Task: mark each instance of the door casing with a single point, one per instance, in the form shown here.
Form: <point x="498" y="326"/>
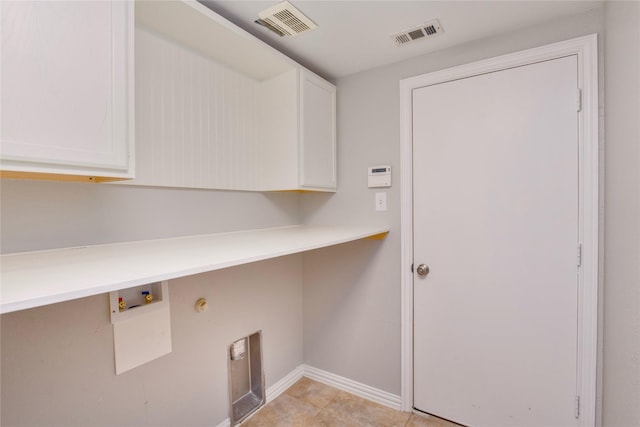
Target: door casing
<point x="586" y="49"/>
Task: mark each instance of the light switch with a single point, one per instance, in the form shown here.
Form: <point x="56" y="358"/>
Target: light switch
<point x="381" y="201"/>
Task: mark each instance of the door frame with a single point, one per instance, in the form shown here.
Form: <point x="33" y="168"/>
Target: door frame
<point x="586" y="49"/>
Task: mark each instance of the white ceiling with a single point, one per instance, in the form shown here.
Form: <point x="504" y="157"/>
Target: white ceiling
<point x="354" y="35"/>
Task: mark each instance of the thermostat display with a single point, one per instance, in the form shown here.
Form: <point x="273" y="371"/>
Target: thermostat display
<point x="379" y="176"/>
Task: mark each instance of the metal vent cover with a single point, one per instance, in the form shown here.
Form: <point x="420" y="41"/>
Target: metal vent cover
<point x="285" y="20"/>
<point x="426" y="30"/>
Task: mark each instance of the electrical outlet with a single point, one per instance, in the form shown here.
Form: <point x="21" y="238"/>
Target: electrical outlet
<point x="381" y="201"/>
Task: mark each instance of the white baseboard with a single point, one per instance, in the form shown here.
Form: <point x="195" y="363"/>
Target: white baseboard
<point x="345" y="384"/>
<point x="290" y="379"/>
<point x="225" y="423"/>
<point x="362" y="390"/>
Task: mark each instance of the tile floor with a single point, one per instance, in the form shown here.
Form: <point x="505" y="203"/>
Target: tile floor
<point x="311" y="404"/>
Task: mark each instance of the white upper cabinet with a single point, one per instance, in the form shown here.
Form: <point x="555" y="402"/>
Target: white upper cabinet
<point x="67" y="89"/>
<point x="234" y="114"/>
<point x="297" y="139"/>
<point x="317" y="156"/>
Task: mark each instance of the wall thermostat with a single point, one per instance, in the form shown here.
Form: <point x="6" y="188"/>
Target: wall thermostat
<point x="379" y="176"/>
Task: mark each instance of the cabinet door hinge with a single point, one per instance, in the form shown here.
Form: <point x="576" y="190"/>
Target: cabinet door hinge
<point x="579" y="100"/>
<point x="577" y="406"/>
<point x="579" y="261"/>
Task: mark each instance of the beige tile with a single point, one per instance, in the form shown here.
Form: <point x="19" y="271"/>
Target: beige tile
<point x="313" y="392"/>
<point x="309" y="403"/>
<point x="425" y="420"/>
<point x="329" y="419"/>
<point x="284" y="411"/>
<point x="353" y="410"/>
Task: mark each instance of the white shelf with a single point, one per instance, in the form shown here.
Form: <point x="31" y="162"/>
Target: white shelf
<point x="33" y="279"/>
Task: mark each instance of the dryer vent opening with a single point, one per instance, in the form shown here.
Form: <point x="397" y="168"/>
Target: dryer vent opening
<point x="246" y="378"/>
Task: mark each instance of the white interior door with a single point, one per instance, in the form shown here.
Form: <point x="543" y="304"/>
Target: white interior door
<point x="495" y="164"/>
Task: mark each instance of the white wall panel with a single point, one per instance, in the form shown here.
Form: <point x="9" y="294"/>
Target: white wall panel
<point x="196" y="119"/>
<point x="277" y="141"/>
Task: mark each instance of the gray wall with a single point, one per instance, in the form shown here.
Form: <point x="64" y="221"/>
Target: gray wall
<point x="621" y="373"/>
<point x="44" y="215"/>
<point x="57" y="361"/>
<point x="58" y="368"/>
<point x="352" y="321"/>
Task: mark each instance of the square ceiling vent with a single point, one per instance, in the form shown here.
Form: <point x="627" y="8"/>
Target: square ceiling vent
<point x="285" y="20"/>
<point x="420" y="32"/>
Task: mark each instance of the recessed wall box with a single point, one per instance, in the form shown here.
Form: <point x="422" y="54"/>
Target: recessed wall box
<point x="379" y="176"/>
<point x="141" y="324"/>
<point x="138" y="300"/>
<point x="246" y="378"/>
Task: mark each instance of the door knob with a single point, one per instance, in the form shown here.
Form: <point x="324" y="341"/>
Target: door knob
<point x="422" y="270"/>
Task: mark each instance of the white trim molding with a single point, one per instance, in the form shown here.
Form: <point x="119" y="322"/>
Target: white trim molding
<point x="281" y="386"/>
<point x="361" y="390"/>
<point x="586" y="50"/>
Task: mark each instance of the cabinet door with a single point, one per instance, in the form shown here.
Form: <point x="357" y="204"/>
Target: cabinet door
<point x="67" y="87"/>
<point x="317" y="133"/>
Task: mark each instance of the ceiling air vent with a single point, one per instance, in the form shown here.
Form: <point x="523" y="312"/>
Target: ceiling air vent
<point x="285" y="20"/>
<point x="426" y="30"/>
